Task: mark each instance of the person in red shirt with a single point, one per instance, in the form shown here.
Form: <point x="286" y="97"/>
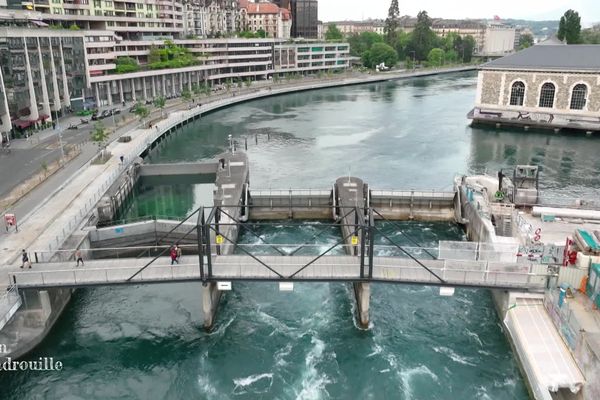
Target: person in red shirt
<point x="173" y="254"/>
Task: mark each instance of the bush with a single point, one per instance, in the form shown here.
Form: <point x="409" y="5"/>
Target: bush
<point x="127" y="64"/>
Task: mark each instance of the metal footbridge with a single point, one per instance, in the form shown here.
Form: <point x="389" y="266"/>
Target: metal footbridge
<point x="460" y="264"/>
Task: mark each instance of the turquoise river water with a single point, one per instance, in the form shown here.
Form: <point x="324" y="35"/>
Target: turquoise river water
<point x="146" y="342"/>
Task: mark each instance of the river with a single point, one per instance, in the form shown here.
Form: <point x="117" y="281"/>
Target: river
<point x="146" y="342"/>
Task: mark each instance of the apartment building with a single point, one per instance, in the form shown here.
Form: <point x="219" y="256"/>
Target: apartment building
<point x="45" y="71"/>
<point x="357" y="27"/>
<point x="268" y="17"/>
<point x="213" y="18"/>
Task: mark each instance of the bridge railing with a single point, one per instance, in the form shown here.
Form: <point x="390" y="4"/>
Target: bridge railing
<point x="10" y="301"/>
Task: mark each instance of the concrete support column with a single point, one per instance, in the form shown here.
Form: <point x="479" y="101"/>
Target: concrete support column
<point x="97" y="92"/>
<point x="55" y="91"/>
<point x="4" y="113"/>
<point x="164" y="85"/>
<point x="121" y="95"/>
<point x="172" y="83"/>
<point x="144" y="88"/>
<point x="133" y="94"/>
<point x="362" y="292"/>
<point x="45" y="99"/>
<point x="181" y="82"/>
<point x="45" y="303"/>
<point x="33" y="111"/>
<point x="66" y="95"/>
<point x="153" y="87"/>
<point x="198" y="77"/>
<point x="109" y="93"/>
<point x="190" y="81"/>
<point x="210" y="301"/>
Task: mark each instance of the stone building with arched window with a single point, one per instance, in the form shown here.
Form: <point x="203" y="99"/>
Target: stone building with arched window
<point x="553" y="86"/>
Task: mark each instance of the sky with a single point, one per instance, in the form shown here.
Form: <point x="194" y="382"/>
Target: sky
<point x="589" y="10"/>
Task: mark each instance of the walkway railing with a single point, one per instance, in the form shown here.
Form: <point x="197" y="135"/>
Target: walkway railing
<point x="10" y="301"/>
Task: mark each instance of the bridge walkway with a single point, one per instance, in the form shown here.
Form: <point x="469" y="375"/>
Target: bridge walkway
<point x="283" y="268"/>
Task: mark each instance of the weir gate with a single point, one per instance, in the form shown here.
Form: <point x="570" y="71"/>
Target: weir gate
<point x="138" y="252"/>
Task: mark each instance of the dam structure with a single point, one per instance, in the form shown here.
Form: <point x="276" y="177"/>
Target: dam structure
<point x="121" y="253"/>
<point x="503" y="255"/>
<point x="210" y="233"/>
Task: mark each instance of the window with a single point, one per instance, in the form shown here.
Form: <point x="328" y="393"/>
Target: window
<point x="547" y="95"/>
<point x="517" y="93"/>
<point x="578" y="97"/>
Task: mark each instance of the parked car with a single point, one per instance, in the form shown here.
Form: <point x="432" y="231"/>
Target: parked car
<point x="115" y="111"/>
<point x="105" y="114"/>
<point x="95" y="116"/>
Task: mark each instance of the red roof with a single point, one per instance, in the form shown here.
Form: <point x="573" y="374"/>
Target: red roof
<point x="262" y="8"/>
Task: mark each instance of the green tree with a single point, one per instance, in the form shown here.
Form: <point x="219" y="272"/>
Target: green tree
<point x="248" y="82"/>
<point x="382" y="53"/>
<point x="160" y="102"/>
<point x="392" y="22"/>
<point x="260" y="33"/>
<point x="590" y="36"/>
<point x="187" y="95"/>
<point x="402" y="42"/>
<point x="126" y="64"/>
<point x="247" y="34"/>
<point x="170" y="56"/>
<point x="423" y="38"/>
<point x="525" y="41"/>
<point x="569" y="28"/>
<point x="363" y="42"/>
<point x="435" y="58"/>
<point x="141" y="111"/>
<point x="468" y="47"/>
<point x="99" y="136"/>
<point x="333" y="33"/>
<point x="74" y="27"/>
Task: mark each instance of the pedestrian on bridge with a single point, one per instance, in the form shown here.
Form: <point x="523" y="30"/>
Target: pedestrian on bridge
<point x="173" y="254"/>
<point x="178" y="249"/>
<point x="25" y="259"/>
<point x="78" y="257"/>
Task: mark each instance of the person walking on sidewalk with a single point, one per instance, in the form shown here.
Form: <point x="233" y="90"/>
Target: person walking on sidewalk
<point x="25" y="259"/>
<point x="178" y="249"/>
<point x="79" y="258"/>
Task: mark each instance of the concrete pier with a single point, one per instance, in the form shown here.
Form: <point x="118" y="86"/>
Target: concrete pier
<point x="350" y="196"/>
<point x="231" y="188"/>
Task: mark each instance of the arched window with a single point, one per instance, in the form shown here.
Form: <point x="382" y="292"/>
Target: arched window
<point x="517" y="93"/>
<point x="578" y="97"/>
<point x="547" y="95"/>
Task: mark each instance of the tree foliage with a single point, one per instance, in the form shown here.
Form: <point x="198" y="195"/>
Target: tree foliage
<point x="141" y="111"/>
<point x="160" y="102"/>
<point x="333" y="33"/>
<point x="392" y="22"/>
<point x="127" y="64"/>
<point x="423" y="38"/>
<point x="590" y="36"/>
<point x="261" y="33"/>
<point x="99" y="134"/>
<point x="380" y="53"/>
<point x="363" y="42"/>
<point x="569" y="28"/>
<point x="525" y="41"/>
<point x="468" y="48"/>
<point x="435" y="58"/>
<point x="170" y="56"/>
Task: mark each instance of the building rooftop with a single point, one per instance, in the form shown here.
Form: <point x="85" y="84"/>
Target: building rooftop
<point x="551" y="57"/>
